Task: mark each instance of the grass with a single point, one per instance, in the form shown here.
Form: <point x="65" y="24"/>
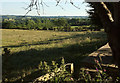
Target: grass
<point x="29" y="47"/>
<point x="73" y="27"/>
<point x="87" y="26"/>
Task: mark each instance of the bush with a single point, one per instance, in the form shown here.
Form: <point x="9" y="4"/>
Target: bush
<point x="60" y="73"/>
<point x="100" y="75"/>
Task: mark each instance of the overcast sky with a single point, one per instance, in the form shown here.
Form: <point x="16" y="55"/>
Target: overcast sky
<point x="16" y="7"/>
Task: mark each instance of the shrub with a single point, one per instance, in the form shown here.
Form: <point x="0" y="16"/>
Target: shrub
<point x="100" y="75"/>
<point x="60" y="73"/>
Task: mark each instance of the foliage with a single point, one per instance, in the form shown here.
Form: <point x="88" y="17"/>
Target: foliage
<point x="100" y="76"/>
<point x="85" y="76"/>
<point x="67" y="27"/>
<point x="79" y="22"/>
<point x="60" y="73"/>
<point x="60" y="24"/>
<point x="94" y="18"/>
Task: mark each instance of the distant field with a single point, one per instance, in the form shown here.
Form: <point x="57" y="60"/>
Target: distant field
<point x="29" y="47"/>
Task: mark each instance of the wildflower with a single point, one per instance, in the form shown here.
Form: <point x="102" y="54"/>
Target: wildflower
<point x="96" y="68"/>
<point x="104" y="70"/>
<point x="96" y="61"/>
<point x="72" y="79"/>
<point x="87" y="72"/>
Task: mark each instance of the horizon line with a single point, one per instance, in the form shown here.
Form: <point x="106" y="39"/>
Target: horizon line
<point x="44" y="15"/>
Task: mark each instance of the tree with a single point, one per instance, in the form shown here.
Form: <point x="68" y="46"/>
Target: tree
<point x="110" y="19"/>
<point x="74" y="21"/>
<point x="94" y="19"/>
<point x="38" y="24"/>
<point x="109" y="14"/>
<point x="8" y="25"/>
<point x="48" y="24"/>
<point x="5" y="24"/>
<point x="67" y="27"/>
<point x="60" y="22"/>
<point x="31" y="24"/>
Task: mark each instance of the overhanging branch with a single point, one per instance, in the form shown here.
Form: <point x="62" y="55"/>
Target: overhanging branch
<point x="105" y="14"/>
<point x="109" y="13"/>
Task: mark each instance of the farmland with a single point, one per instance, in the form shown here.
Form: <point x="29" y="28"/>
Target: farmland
<point x="29" y="47"/>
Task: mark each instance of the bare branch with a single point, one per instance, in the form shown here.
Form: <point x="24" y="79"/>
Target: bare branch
<point x="45" y="4"/>
<point x="61" y="7"/>
<point x="27" y="12"/>
<point x="109" y="13"/>
<point x="42" y="5"/>
<point x="37" y="4"/>
<point x="58" y="1"/>
<point x="74" y="4"/>
<point x="65" y="1"/>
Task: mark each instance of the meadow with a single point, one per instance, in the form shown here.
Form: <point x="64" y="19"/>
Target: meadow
<point x="29" y="47"/>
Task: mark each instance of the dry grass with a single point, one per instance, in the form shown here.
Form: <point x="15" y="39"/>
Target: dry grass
<point x="29" y="47"/>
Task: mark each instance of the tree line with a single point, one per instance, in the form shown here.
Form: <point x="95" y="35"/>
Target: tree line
<point x="59" y="24"/>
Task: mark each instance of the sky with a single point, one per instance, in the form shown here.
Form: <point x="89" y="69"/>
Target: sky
<point x="17" y="7"/>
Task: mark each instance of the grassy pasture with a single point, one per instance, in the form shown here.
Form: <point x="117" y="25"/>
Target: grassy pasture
<point x="29" y="47"/>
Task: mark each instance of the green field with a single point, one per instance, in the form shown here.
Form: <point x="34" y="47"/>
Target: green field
<point x="29" y="47"/>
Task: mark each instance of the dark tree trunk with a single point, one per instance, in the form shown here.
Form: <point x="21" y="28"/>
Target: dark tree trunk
<point x="111" y="23"/>
<point x="114" y="42"/>
<point x="114" y="35"/>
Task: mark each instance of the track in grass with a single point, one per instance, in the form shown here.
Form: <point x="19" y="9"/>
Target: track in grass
<point x="29" y="47"/>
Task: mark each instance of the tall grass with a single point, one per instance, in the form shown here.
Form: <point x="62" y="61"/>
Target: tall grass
<point x="29" y="47"/>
